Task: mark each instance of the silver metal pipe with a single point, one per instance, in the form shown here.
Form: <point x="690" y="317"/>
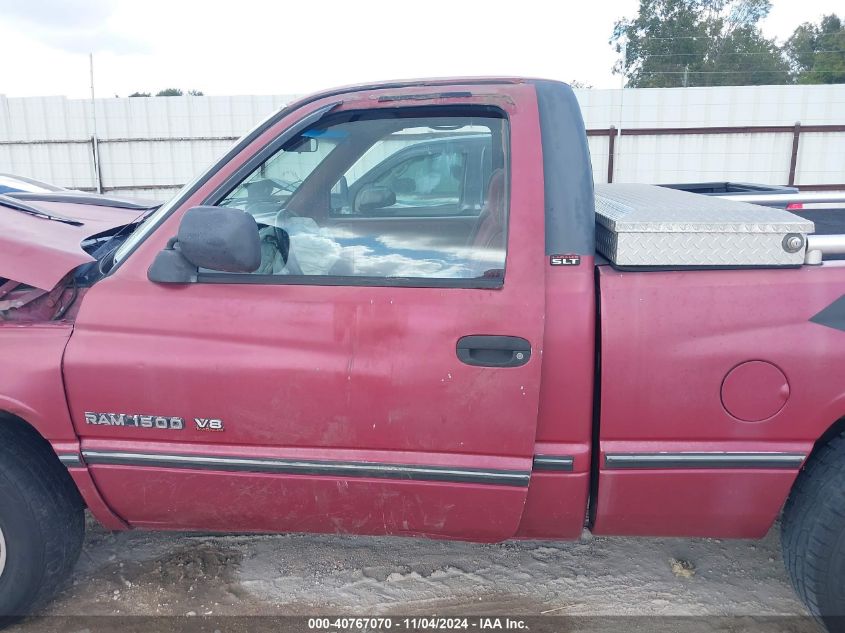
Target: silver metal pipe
<point x="806" y="197"/>
<point x="820" y="245"/>
<point x="828" y="244"/>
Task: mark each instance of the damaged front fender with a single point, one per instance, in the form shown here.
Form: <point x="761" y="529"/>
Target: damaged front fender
<point x="22" y="303"/>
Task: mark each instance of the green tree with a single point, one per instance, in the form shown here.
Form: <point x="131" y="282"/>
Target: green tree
<point x="816" y="52"/>
<point x="698" y="43"/>
<point x="195" y="93"/>
<point x="140" y="94"/>
<point x="169" y="92"/>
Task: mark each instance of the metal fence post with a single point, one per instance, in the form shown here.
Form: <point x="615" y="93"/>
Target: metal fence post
<point x="793" y="159"/>
<point x="611" y="150"/>
<point x="95" y="155"/>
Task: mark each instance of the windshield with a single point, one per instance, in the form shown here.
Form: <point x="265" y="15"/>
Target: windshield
<point x="414" y="194"/>
<point x="273" y="183"/>
<point x="420" y="193"/>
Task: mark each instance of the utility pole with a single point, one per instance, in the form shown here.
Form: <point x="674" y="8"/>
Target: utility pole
<point x="621" y="104"/>
<point x="686" y="75"/>
<point x="95" y="147"/>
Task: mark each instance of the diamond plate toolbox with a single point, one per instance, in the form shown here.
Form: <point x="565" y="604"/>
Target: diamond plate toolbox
<point x="646" y="225"/>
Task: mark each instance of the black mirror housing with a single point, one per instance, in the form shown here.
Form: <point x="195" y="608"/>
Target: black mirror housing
<point x="217" y="238"/>
<point x="220" y="238"/>
<point x="171" y="267"/>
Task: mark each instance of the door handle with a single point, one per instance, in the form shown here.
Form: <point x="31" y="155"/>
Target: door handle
<point x="493" y="351"/>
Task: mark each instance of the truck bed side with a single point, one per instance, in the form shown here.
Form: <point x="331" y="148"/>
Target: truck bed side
<point x="714" y="387"/>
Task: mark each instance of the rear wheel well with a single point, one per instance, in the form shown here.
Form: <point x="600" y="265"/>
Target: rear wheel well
<point x="834" y="430"/>
<point x="813" y="528"/>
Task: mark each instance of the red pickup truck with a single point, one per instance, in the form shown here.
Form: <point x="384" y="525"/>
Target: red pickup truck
<point x="280" y="348"/>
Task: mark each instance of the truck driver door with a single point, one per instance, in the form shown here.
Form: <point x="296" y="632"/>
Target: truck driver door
<point x="379" y="373"/>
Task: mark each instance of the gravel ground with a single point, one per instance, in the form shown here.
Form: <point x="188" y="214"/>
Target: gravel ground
<point x="179" y="574"/>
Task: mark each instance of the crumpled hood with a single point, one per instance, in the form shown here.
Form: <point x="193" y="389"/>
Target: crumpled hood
<point x="39" y="252"/>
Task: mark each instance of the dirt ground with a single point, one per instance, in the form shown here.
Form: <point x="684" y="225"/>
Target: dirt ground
<point x="178" y="574"/>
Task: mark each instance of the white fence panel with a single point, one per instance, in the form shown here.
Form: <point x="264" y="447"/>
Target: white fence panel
<point x="762" y="158"/>
<point x="822" y="158"/>
<point x="151" y="146"/>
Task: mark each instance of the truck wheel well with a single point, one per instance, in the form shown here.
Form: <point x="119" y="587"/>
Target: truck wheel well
<point x="835" y="429"/>
<point x="31" y="440"/>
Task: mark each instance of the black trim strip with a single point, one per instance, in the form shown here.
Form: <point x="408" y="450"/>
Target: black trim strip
<point x="632" y="461"/>
<point x="492" y="283"/>
<point x="376" y="470"/>
<point x="70" y="460"/>
<point x="674" y="269"/>
<point x="557" y="463"/>
<point x="568" y="177"/>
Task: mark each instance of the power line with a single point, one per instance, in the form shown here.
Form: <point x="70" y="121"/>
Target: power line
<point x="676" y="37"/>
<point x="730" y="72"/>
<point x="731" y="53"/>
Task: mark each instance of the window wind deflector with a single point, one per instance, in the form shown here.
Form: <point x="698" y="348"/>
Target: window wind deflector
<point x="22" y="207"/>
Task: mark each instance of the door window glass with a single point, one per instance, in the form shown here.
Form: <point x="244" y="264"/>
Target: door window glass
<point x="430" y="180"/>
<point x="385" y="196"/>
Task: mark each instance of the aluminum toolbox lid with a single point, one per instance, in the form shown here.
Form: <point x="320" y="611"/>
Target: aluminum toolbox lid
<point x="635" y="208"/>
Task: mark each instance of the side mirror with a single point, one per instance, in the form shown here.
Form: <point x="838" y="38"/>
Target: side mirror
<point x="217" y="238"/>
<point x="372" y="197"/>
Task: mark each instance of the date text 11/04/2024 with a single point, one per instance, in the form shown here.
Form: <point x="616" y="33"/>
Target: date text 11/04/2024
<point x="418" y="623"/>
